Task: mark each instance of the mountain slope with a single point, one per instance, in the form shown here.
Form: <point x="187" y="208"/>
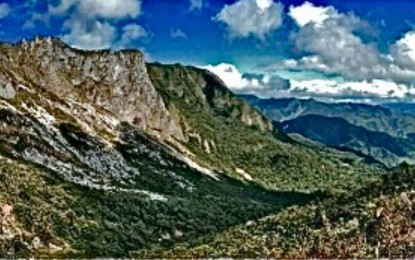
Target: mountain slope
<point x="383" y="134"/>
<point x="374" y="118"/>
<point x="226" y="134"/>
<point x="373" y="222"/>
<point x="407" y="108"/>
<point x="337" y="132"/>
<point x="98" y="142"/>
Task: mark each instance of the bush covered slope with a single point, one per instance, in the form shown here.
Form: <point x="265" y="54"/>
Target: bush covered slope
<point x="339" y="133"/>
<point x="376" y="221"/>
<point x="225" y="133"/>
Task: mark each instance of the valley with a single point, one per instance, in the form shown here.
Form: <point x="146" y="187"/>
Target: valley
<point x="105" y="155"/>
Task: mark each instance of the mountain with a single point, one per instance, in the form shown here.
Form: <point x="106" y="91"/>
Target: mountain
<point x="103" y="155"/>
<point x="372" y="117"/>
<point x="339" y="133"/>
<point x="374" y="222"/>
<point x="408" y="108"/>
<point x="381" y="133"/>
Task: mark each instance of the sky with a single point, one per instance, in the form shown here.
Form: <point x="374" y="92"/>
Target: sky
<point x="359" y="51"/>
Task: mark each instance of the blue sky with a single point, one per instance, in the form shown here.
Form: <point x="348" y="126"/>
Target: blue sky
<point x="332" y="49"/>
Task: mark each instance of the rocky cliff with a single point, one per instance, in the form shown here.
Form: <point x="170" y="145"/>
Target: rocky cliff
<point x="116" y="82"/>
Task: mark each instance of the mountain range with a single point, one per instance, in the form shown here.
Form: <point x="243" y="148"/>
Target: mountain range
<point x="105" y="155"/>
<point x="382" y="132"/>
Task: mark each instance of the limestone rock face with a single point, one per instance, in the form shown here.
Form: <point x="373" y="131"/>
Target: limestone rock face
<point x="113" y="81"/>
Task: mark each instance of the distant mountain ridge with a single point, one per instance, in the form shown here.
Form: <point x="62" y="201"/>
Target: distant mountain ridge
<point x="337" y="132"/>
<point x="408" y="108"/>
<point x="373" y="117"/>
<point x="380" y="132"/>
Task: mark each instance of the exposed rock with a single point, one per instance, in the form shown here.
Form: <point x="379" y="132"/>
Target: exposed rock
<point x="114" y="81"/>
<point x="7" y="91"/>
<point x="37" y="243"/>
<point x="244" y="174"/>
<point x="206" y="146"/>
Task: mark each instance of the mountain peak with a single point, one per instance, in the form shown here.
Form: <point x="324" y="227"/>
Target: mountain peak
<point x="42" y="42"/>
<point x="116" y="82"/>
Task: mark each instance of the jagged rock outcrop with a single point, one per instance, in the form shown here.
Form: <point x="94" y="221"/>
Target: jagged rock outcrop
<point x="113" y="81"/>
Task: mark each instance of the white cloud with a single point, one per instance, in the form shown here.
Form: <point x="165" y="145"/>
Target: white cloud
<point x="90" y="24"/>
<point x="264" y="4"/>
<point x="308" y="13"/>
<point x="177" y="33"/>
<point x="90" y="9"/>
<point x="259" y="84"/>
<point x="247" y="18"/>
<point x="374" y="89"/>
<point x="331" y="45"/>
<point x="97" y="35"/>
<point x="130" y="33"/>
<point x="229" y="74"/>
<point x="4" y="10"/>
<point x="196" y="5"/>
<point x="267" y="86"/>
<point x="403" y="51"/>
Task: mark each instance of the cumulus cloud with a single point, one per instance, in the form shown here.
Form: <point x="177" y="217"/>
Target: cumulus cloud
<point x="35" y="17"/>
<point x="308" y="13"/>
<point x="250" y="83"/>
<point x="130" y="33"/>
<point x="177" y="33"/>
<point x="196" y="5"/>
<point x="329" y="42"/>
<point x="379" y="89"/>
<point x="229" y="74"/>
<point x="4" y="10"/>
<point x="90" y="9"/>
<point x="267" y="86"/>
<point x="98" y="35"/>
<point x="247" y="18"/>
<point x="90" y="24"/>
<point x="403" y="51"/>
<point x="331" y="45"/>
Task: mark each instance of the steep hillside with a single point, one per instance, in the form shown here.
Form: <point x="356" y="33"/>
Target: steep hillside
<point x="97" y="142"/>
<point x="226" y="134"/>
<point x="374" y="222"/>
<point x="374" y="118"/>
<point x="44" y="216"/>
<point x="337" y="132"/>
<point x="188" y="110"/>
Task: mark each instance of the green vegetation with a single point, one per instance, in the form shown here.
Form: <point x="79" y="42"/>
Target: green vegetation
<point x="212" y="114"/>
<point x="91" y="223"/>
<point x="141" y="192"/>
<point x="384" y="134"/>
<point x="376" y="221"/>
<point x="339" y="133"/>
